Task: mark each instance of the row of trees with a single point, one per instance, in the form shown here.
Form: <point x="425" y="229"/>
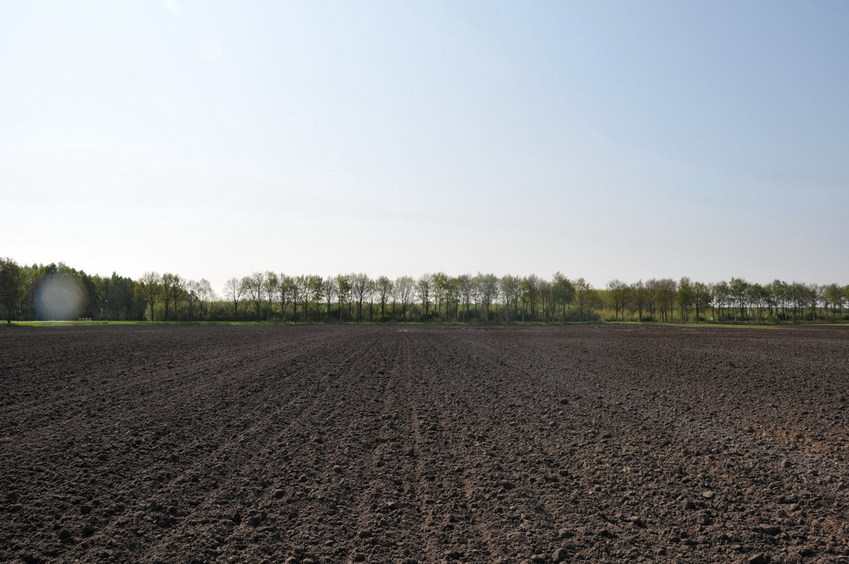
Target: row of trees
<point x="735" y="300"/>
<point x="23" y="289"/>
<point x="357" y="297"/>
<point x="25" y="293"/>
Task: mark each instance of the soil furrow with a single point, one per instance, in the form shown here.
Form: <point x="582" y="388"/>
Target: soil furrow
<point x="256" y="499"/>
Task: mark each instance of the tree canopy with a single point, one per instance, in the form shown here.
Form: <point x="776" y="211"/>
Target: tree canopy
<point x="439" y="297"/>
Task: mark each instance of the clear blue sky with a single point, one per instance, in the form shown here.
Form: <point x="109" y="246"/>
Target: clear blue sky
<point x="601" y="139"/>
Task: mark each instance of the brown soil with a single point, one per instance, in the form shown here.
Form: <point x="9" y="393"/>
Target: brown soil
<point x="424" y="444"/>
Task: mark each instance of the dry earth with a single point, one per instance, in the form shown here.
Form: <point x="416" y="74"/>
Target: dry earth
<point x="424" y="444"/>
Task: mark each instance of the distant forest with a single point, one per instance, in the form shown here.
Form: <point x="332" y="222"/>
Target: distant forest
<point x="54" y="292"/>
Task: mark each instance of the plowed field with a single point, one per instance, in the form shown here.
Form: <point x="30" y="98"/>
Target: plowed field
<point x="424" y="444"/>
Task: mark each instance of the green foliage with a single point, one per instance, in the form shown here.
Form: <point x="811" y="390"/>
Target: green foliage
<point x="483" y="298"/>
<point x="11" y="287"/>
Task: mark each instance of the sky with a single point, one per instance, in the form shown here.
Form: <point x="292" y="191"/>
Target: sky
<point x="600" y="139"/>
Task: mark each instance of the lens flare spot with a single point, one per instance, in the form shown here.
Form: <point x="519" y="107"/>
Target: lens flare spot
<point x="58" y="298"/>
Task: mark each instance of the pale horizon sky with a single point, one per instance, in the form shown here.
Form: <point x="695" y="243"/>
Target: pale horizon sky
<point x="601" y="139"/>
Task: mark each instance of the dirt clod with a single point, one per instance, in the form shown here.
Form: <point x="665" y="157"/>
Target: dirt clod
<point x="767" y="529"/>
<point x="560" y="555"/>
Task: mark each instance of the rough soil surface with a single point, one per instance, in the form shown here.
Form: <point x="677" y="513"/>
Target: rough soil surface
<point x="424" y="444"/>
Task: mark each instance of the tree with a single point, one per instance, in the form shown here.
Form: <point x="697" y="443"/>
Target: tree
<point x="405" y="292"/>
<point x="834" y="299"/>
<point x="686" y="298"/>
<point x="120" y="300"/>
<point x="587" y="299"/>
<point x="149" y="287"/>
<point x="546" y="300"/>
<point x="233" y="293"/>
<point x="423" y="289"/>
<point x="31" y="277"/>
<point x="91" y="292"/>
<point x="662" y="295"/>
<point x="371" y="290"/>
<point x="269" y="290"/>
<point x="820" y="300"/>
<point x="758" y="297"/>
<point x="343" y="292"/>
<point x="205" y="293"/>
<point x="639" y="298"/>
<point x="173" y="288"/>
<point x="802" y="296"/>
<point x="253" y="287"/>
<point x="528" y="291"/>
<point x="563" y="292"/>
<point x="779" y="298"/>
<point x="738" y="290"/>
<point x="11" y="287"/>
<point x="451" y="297"/>
<point x="487" y="289"/>
<point x="191" y="297"/>
<point x="383" y="287"/>
<point x="846" y="293"/>
<point x="438" y="292"/>
<point x="719" y="298"/>
<point x="701" y="298"/>
<point x="653" y="297"/>
<point x="509" y="287"/>
<point x="617" y="292"/>
<point x="302" y="289"/>
<point x="286" y="289"/>
<point x="328" y="290"/>
<point x="313" y="293"/>
<point x="167" y="281"/>
<point x="359" y="291"/>
<point x="466" y="289"/>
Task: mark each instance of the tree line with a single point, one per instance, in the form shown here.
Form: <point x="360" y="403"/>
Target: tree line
<point x="25" y="294"/>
